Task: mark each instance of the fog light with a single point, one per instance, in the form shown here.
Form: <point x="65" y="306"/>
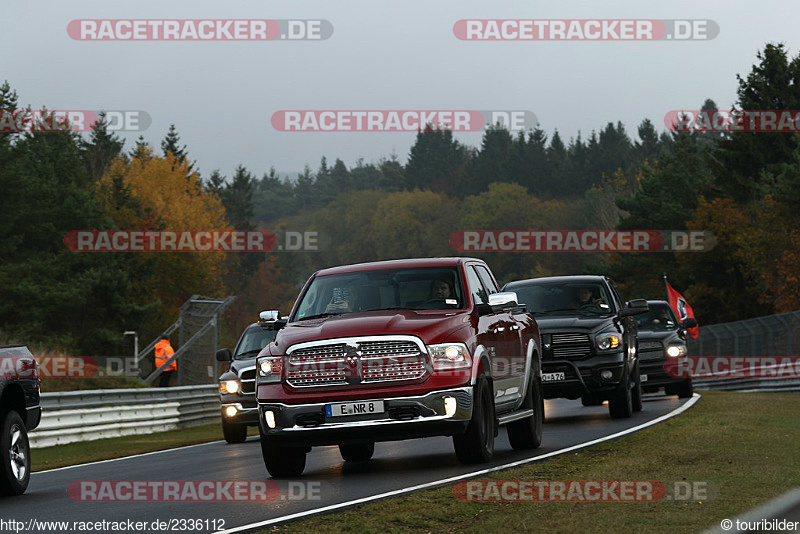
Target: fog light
<point x="450" y="406"/>
<point x="230" y="411"/>
<point x="269" y="417"/>
<point x="606" y="375"/>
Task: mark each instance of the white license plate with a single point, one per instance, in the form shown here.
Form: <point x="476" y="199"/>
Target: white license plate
<point x="644" y="378"/>
<point x="553" y="377"/>
<point x="353" y="408"/>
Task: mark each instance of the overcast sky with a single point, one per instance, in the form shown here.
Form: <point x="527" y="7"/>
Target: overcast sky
<point x="391" y="55"/>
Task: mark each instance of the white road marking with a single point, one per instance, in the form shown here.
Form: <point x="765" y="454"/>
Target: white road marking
<point x="688" y="404"/>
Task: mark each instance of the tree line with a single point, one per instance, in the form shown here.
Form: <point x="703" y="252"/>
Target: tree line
<point x="742" y="187"/>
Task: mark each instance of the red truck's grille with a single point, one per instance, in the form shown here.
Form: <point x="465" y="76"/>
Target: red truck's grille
<point x="355" y="362"/>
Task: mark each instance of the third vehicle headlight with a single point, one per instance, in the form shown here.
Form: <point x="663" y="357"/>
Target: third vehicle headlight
<point x="675" y="351"/>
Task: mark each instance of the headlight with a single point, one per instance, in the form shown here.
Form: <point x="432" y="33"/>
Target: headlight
<point x="608" y="341"/>
<point x="449" y="356"/>
<point x="269" y="369"/>
<point x="229" y="387"/>
<point x="675" y="351"/>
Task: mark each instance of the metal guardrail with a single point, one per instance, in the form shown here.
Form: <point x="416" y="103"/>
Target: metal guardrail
<point x="72" y="416"/>
<point x="749" y="384"/>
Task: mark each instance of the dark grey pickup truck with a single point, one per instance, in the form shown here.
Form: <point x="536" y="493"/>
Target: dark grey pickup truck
<point x="20" y="412"/>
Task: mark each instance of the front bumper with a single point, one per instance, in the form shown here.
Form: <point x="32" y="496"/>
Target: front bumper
<point x="656" y="375"/>
<point x="402" y="418"/>
<point x="246" y="409"/>
<point x="583" y="376"/>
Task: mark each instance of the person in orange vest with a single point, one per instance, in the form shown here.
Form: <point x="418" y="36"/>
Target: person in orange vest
<point x="164" y="352"/>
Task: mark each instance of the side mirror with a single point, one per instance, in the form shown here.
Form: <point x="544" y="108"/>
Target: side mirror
<point x="505" y="301"/>
<point x="271" y="320"/>
<point x="224" y="355"/>
<point x="634" y="307"/>
<point x="690" y="322"/>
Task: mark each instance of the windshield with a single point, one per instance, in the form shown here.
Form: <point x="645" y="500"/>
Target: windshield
<point x="565" y="298"/>
<point x="435" y="288"/>
<point x="252" y="341"/>
<point x="659" y="318"/>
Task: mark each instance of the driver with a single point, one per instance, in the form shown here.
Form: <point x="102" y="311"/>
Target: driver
<point x="348" y="304"/>
<point x="585" y="298"/>
<point x="440" y="289"/>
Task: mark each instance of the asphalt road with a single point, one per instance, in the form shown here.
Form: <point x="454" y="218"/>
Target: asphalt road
<point x="327" y="480"/>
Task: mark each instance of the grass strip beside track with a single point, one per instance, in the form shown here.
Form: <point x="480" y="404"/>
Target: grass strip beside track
<point x="742" y="444"/>
<point x="106" y="449"/>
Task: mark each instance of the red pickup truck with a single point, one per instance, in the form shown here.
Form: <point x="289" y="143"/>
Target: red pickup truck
<point x="396" y="350"/>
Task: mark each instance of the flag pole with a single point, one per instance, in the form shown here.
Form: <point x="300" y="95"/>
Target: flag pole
<point x="664" y="275"/>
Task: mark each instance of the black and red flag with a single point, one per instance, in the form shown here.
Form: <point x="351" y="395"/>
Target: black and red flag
<point x="681" y="308"/>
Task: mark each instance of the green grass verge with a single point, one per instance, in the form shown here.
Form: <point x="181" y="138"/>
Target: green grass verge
<point x="105" y="449"/>
<point x="742" y="444"/>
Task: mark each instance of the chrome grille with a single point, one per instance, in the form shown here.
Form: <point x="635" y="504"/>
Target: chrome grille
<point x="650" y="346"/>
<point x="571" y="346"/>
<point x="248" y="378"/>
<point x="356" y="362"/>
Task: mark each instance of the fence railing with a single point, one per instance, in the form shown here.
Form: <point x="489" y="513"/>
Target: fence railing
<point x="773" y="335"/>
<point x="73" y="416"/>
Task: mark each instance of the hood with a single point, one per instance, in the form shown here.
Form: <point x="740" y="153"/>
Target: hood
<point x="670" y="336"/>
<point x="581" y="323"/>
<point x="239" y="365"/>
<point x="432" y="326"/>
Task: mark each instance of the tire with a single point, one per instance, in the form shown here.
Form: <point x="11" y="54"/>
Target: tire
<point x="234" y="433"/>
<point x="282" y="461"/>
<point x="476" y="445"/>
<point x="527" y="433"/>
<point x="636" y="392"/>
<point x="620" y="405"/>
<point x="357" y="452"/>
<point x="591" y="400"/>
<point x="685" y="389"/>
<point x="15" y="455"/>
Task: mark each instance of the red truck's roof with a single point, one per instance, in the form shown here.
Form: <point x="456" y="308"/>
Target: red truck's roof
<point x="394" y="264"/>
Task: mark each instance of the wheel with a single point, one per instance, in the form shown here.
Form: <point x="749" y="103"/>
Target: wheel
<point x="476" y="445"/>
<point x="357" y="452"/>
<point x="527" y="433"/>
<point x="620" y="405"/>
<point x="591" y="400"/>
<point x="15" y="454"/>
<point x="282" y="461"/>
<point x="636" y="392"/>
<point x="234" y="433"/>
<point x="685" y="389"/>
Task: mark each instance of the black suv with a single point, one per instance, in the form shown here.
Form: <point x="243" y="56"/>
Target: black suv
<point x="237" y="386"/>
<point x="20" y="412"/>
<point x="589" y="340"/>
<point x="661" y="338"/>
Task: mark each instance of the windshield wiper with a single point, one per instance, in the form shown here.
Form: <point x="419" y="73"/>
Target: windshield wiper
<point x="320" y="315"/>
